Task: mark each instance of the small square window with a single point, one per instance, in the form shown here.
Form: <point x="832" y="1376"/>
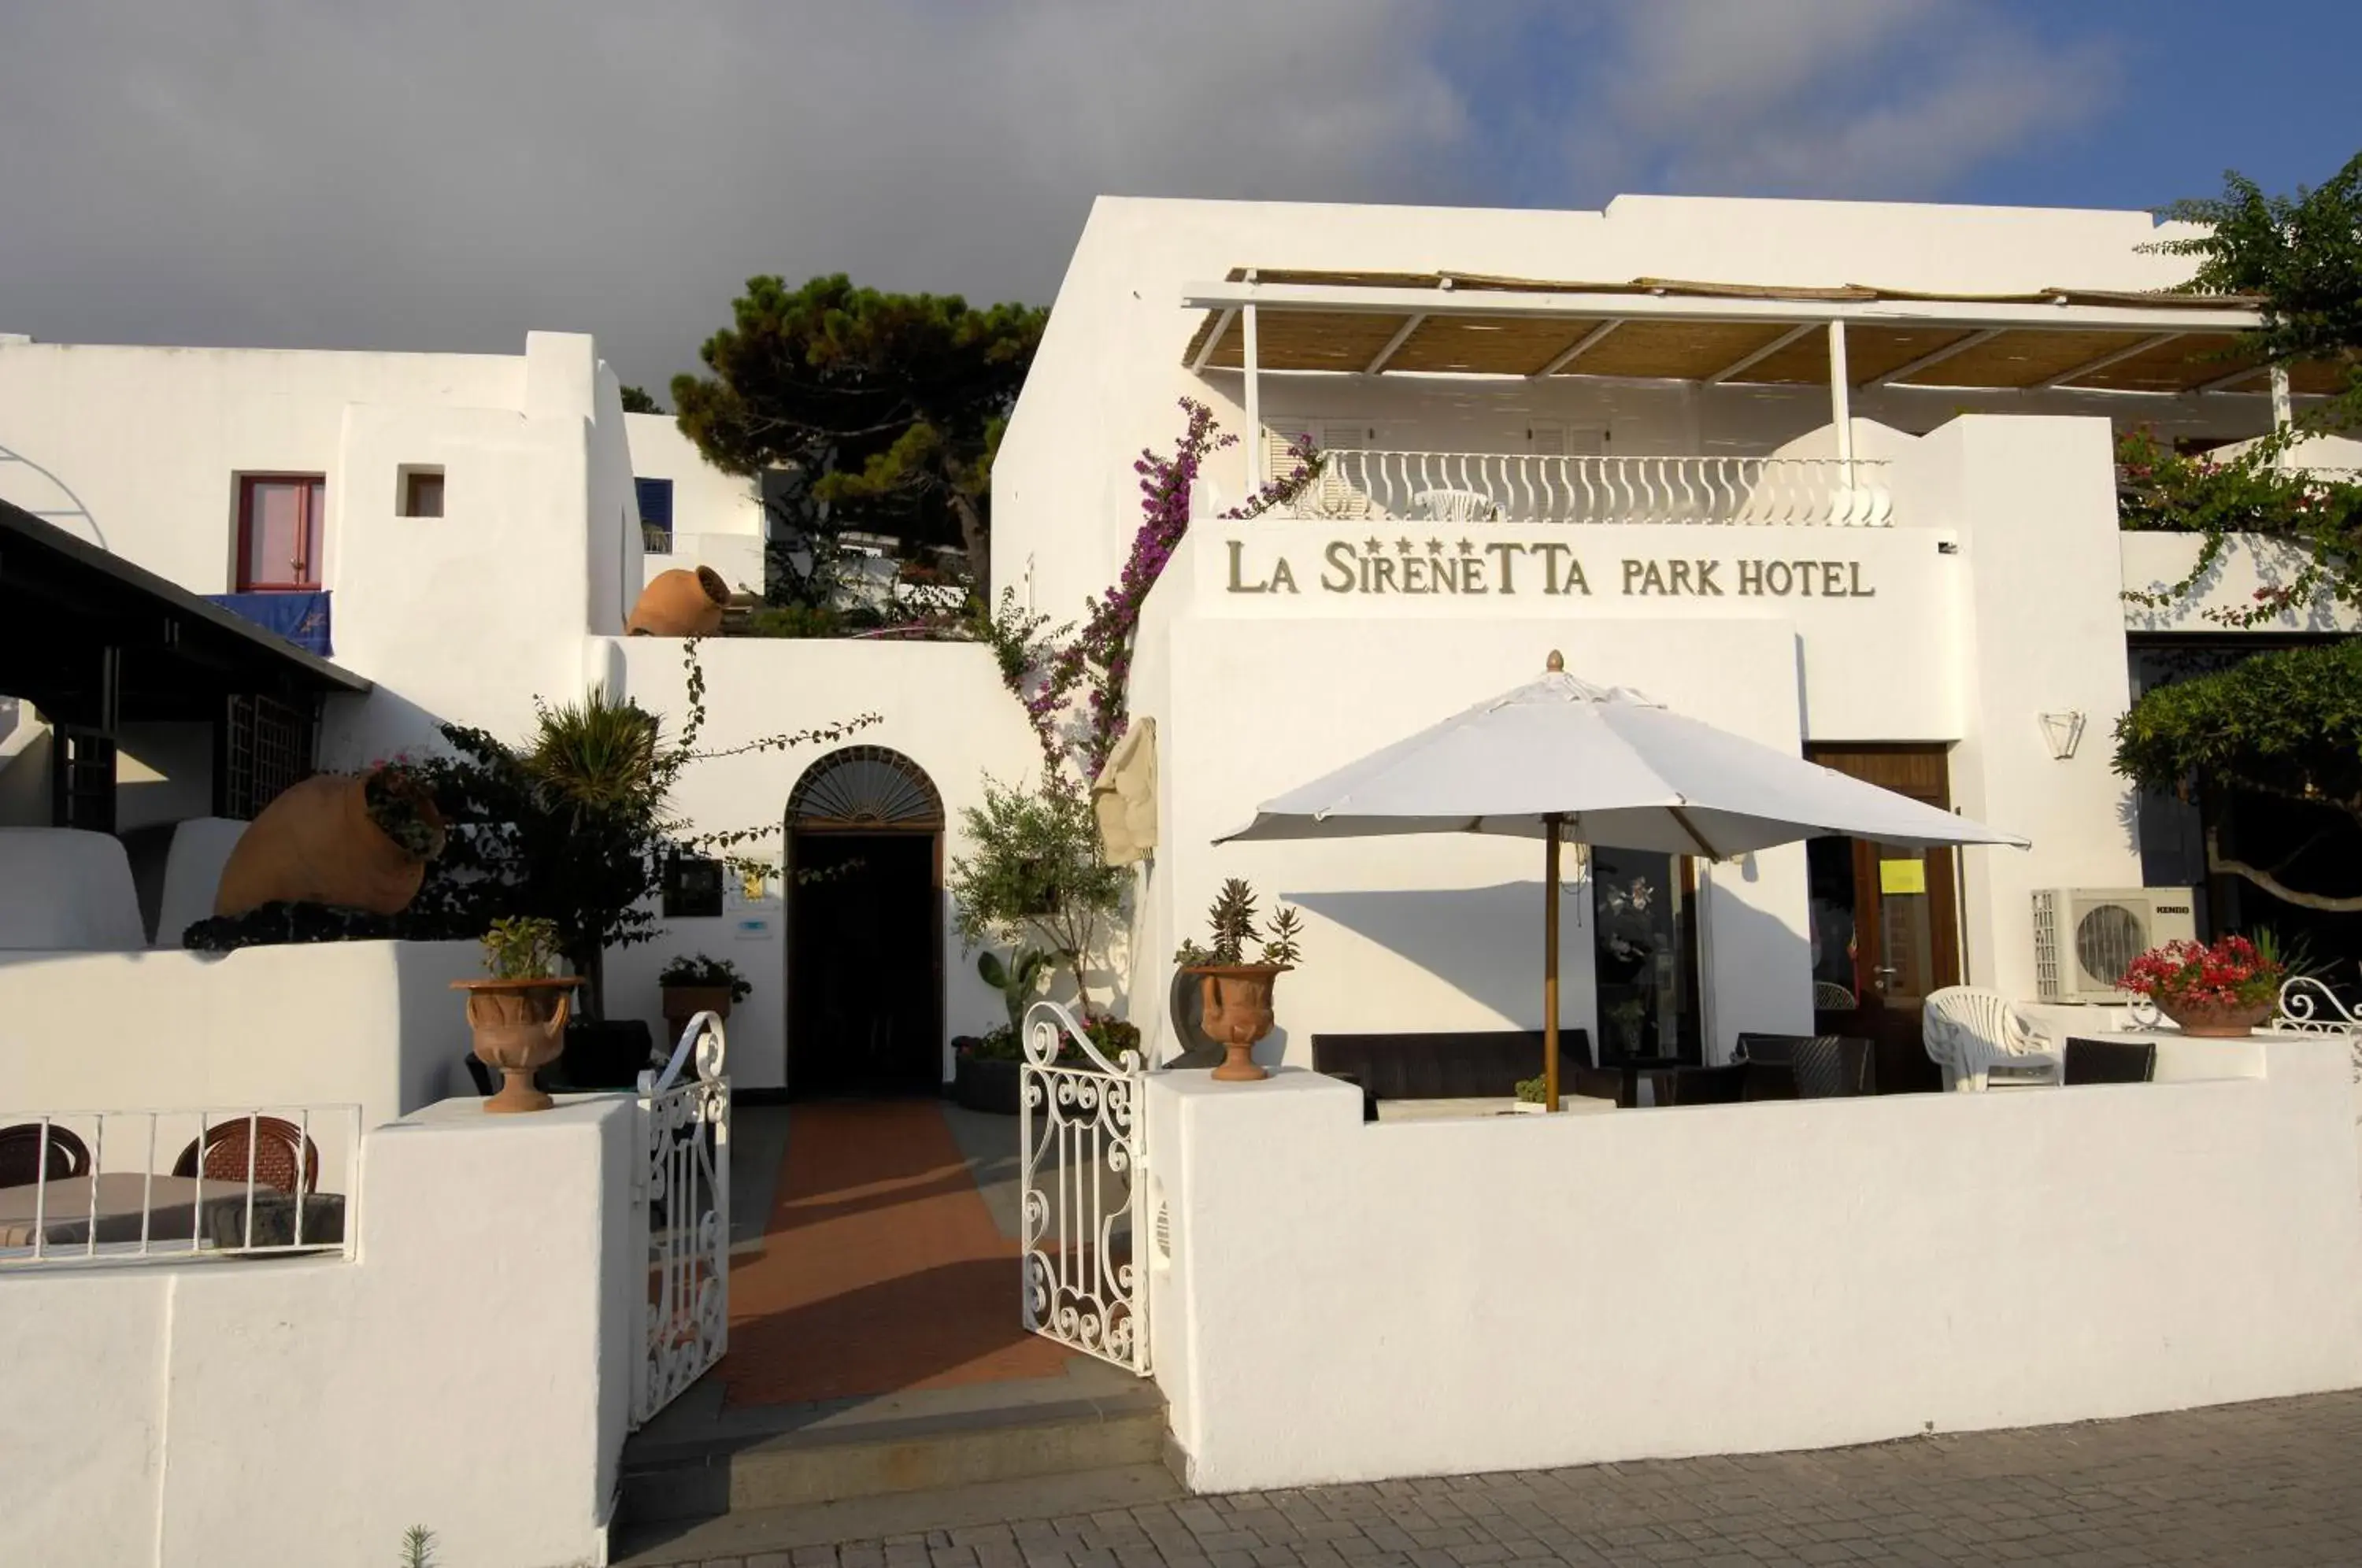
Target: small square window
<point x="692" y="887"/>
<point x="421" y="492"/>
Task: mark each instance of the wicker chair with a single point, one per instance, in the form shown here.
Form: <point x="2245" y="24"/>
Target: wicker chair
<point x="23" y="1156"/>
<point x="279" y="1147"/>
<point x="1825" y="1066"/>
<point x="2110" y="1061"/>
<point x="1830" y="997"/>
<point x="1978" y="1040"/>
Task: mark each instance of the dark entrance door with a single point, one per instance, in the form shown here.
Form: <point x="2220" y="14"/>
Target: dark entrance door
<point x="1885" y="921"/>
<point x="864" y="927"/>
<point x="863" y="1018"/>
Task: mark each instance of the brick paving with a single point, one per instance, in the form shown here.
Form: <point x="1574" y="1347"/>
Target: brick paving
<point x="2265" y="1484"/>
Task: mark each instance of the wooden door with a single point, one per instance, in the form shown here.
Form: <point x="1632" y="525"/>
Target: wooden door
<point x="1898" y="911"/>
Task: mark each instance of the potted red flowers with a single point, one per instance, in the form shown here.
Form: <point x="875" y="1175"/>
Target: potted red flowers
<point x="2218" y="992"/>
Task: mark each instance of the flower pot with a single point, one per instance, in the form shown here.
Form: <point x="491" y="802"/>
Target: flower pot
<point x="606" y="1053"/>
<point x="985" y="1085"/>
<point x="679" y="603"/>
<point x="520" y="1025"/>
<point x="682" y="1003"/>
<point x="316" y="844"/>
<point x="2215" y="1020"/>
<point x="1237" y="1013"/>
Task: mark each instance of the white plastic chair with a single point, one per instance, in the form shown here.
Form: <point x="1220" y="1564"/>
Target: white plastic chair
<point x="1458" y="506"/>
<point x="1978" y="1040"/>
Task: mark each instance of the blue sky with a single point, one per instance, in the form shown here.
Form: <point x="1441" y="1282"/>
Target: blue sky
<point x="448" y="173"/>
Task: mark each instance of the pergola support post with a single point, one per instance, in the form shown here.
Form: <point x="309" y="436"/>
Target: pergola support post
<point x="1842" y="399"/>
<point x="1258" y="473"/>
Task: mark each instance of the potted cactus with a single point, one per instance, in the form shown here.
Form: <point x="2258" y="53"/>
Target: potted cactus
<point x="692" y="984"/>
<point x="518" y="1014"/>
<point x="985" y="1074"/>
<point x="1236" y="974"/>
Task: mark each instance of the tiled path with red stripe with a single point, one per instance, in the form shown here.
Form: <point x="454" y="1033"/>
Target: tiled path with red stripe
<point x="882" y="1270"/>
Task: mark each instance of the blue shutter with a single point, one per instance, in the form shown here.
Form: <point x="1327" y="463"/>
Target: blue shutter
<point x="656" y="513"/>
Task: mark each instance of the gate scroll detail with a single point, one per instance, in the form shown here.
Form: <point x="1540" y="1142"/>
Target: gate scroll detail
<point x="1085" y="1168"/>
<point x="682" y="1194"/>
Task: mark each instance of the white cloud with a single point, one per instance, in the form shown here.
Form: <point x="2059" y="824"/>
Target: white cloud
<point x="446" y="173"/>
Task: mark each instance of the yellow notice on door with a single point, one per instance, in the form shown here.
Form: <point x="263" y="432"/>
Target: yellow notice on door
<point x="1902" y="876"/>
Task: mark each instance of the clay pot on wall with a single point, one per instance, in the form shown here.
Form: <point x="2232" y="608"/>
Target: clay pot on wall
<point x="1237" y="1013"/>
<point x="520" y="1026"/>
<point x="679" y="603"/>
<point x="354" y="841"/>
<point x="2215" y="1020"/>
<point x="682" y="1003"/>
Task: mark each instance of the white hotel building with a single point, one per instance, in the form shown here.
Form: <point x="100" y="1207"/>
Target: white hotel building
<point x="1834" y="476"/>
<point x="1839" y="477"/>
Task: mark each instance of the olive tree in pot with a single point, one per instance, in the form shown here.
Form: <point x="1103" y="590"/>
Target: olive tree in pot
<point x="1237" y="977"/>
<point x="518" y="1014"/>
<point x="1034" y="872"/>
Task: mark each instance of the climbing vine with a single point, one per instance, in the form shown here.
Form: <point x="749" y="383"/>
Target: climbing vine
<point x="2164" y="491"/>
<point x="1047" y="670"/>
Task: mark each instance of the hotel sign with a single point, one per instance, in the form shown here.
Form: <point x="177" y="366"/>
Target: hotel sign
<point x="1435" y="566"/>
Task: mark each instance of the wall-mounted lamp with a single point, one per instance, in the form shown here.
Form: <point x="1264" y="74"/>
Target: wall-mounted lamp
<point x="2063" y="731"/>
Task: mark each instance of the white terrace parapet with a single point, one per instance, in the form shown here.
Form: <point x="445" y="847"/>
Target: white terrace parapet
<point x="1503" y="487"/>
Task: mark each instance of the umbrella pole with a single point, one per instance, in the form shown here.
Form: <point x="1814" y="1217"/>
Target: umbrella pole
<point x="1550" y="820"/>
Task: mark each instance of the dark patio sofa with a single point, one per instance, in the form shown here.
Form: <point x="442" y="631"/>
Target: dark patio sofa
<point x="1466" y="1064"/>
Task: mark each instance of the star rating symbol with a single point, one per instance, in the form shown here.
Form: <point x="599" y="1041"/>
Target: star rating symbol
<point x="1435" y="546"/>
<point x="1372" y="546"/>
<point x="1403" y="545"/>
<point x="1467" y="546"/>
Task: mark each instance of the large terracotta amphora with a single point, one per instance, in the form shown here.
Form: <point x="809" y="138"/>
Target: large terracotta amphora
<point x="354" y="841"/>
<point x="520" y="1026"/>
<point x="679" y="604"/>
<point x="1236" y="1013"/>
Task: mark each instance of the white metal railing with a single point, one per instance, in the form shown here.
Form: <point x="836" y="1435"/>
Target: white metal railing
<point x="172" y="1186"/>
<point x="1083" y="1159"/>
<point x="2309" y="1007"/>
<point x="1495" y="487"/>
<point x="683" y="1202"/>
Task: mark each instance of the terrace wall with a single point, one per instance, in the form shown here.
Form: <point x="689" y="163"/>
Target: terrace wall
<point x="1345" y="1302"/>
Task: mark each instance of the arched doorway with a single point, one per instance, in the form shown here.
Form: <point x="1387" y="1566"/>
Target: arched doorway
<point x="864" y="927"/>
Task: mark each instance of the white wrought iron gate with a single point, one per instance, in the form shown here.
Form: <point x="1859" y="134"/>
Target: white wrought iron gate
<point x="683" y="1202"/>
<point x="1084" y="1166"/>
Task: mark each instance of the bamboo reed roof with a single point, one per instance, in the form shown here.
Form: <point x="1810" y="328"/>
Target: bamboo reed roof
<point x="2082" y="343"/>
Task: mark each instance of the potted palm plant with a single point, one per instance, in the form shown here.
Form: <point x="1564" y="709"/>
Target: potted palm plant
<point x="518" y="1013"/>
<point x="1237" y="975"/>
<point x="692" y="984"/>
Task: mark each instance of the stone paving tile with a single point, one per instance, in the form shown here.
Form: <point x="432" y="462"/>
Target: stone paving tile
<point x="2252" y="1484"/>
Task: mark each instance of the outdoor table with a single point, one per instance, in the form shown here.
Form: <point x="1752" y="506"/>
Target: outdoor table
<point x="65" y="1207"/>
<point x="1633" y="1069"/>
<point x="172" y="1204"/>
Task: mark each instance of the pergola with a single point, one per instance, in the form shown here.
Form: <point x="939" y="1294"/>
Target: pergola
<point x="96" y="643"/>
<point x="1718" y="334"/>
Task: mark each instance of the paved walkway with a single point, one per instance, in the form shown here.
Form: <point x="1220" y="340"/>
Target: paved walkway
<point x="2267" y="1483"/>
<point x="883" y="1268"/>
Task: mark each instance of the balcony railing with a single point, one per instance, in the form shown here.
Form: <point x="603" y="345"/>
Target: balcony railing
<point x="1488" y="487"/>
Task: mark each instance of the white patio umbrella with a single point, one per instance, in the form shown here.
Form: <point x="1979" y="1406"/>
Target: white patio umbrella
<point x="1562" y="759"/>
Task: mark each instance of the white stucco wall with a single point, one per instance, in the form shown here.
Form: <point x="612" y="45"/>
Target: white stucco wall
<point x="468" y="1370"/>
<point x="941" y="704"/>
<point x="1346" y="1302"/>
<point x="717" y="518"/>
<point x="370" y="1024"/>
<point x="2156" y="562"/>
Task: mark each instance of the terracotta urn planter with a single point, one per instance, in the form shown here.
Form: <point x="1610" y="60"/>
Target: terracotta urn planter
<point x="520" y="1025"/>
<point x="679" y="604"/>
<point x="682" y="1003"/>
<point x="320" y="842"/>
<point x="1237" y="1013"/>
<point x="2214" y="1021"/>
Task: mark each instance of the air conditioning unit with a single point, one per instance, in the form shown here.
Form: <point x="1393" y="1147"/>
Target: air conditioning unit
<point x="2085" y="938"/>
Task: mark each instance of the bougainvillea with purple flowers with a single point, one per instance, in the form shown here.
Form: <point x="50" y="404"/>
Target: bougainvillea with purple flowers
<point x="1047" y="673"/>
